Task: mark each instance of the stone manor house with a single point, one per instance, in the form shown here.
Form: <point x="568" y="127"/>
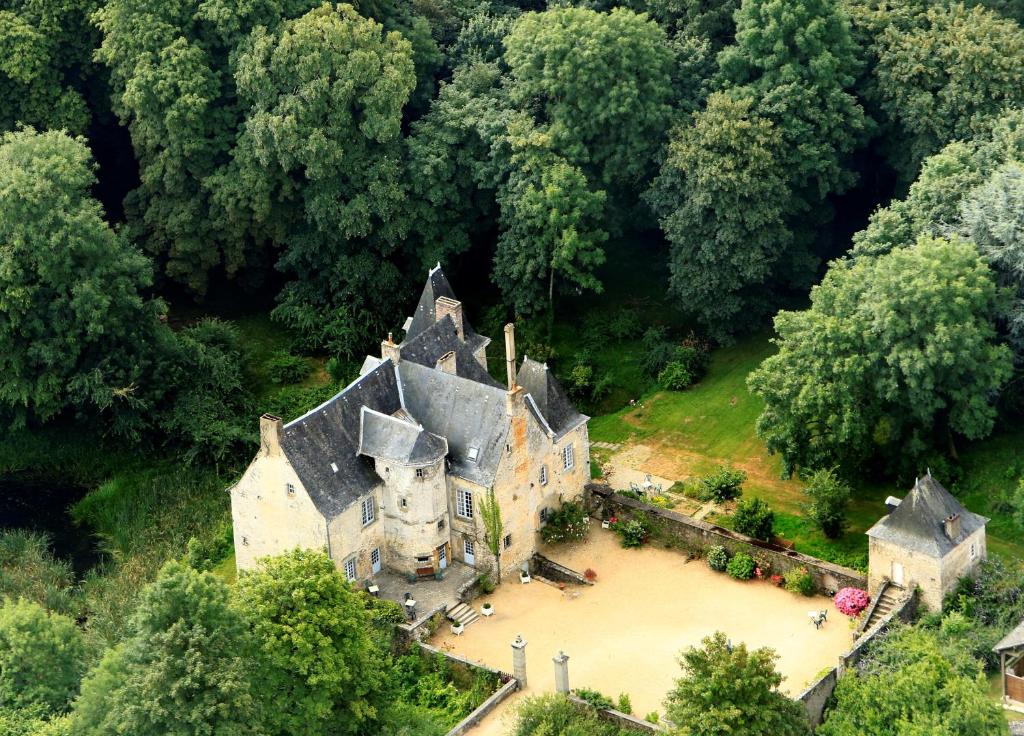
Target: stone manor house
<point x="390" y="473"/>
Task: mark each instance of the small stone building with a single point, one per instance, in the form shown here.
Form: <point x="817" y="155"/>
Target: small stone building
<point x="1011" y="665"/>
<point x="391" y="471"/>
<point x="927" y="540"/>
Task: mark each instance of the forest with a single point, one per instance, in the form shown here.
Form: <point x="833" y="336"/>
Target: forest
<point x="214" y="209"/>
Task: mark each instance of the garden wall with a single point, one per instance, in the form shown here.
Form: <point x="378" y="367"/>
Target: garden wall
<point x="687" y="532"/>
<point x="620" y="719"/>
<point x="509" y="686"/>
<point x="541" y="565"/>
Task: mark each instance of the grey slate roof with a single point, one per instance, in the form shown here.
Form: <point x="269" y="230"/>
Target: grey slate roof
<point x="549" y="397"/>
<point x="330" y="434"/>
<point x="467" y="413"/>
<point x="399" y="440"/>
<point x="438" y="339"/>
<point x="1013" y="640"/>
<point x="917" y="523"/>
<point x="437" y="285"/>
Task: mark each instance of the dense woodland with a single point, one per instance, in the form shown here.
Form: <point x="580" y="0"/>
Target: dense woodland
<point x="849" y="173"/>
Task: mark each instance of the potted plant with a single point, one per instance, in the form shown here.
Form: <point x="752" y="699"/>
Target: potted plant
<point x="607" y="523"/>
<point x="457" y="628"/>
<point x="487" y="609"/>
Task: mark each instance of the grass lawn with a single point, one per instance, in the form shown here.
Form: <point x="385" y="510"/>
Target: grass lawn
<point x="711" y="423"/>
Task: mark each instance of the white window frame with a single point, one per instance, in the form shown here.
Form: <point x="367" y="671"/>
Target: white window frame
<point x="568" y="457"/>
<point x="350" y="569"/>
<point x="289" y="488"/>
<point x="368" y="511"/>
<point x="375" y="556"/>
<point x="543" y="475"/>
<point x="464" y="503"/>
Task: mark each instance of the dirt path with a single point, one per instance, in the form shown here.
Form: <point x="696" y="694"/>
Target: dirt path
<point x="624" y="634"/>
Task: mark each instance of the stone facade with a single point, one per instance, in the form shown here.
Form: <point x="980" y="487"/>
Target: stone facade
<point x="391" y="472"/>
<point x="928" y="541"/>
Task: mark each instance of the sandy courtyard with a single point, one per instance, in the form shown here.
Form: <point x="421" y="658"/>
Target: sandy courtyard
<point x="624" y="634"/>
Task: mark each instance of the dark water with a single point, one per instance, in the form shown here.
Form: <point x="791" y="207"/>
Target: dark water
<point x="43" y="506"/>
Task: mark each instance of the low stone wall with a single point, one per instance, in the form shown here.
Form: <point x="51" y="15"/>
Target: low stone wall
<point x="699" y="535"/>
<point x="816" y="697"/>
<point x="420" y="628"/>
<point x="541" y="565"/>
<point x="484" y="708"/>
<point x="620" y="719"/>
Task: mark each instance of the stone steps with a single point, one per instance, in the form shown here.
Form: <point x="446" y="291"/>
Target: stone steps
<point x="461" y="613"/>
<point x="885" y="605"/>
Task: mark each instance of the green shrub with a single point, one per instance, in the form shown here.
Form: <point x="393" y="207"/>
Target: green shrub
<point x="633" y="533"/>
<point x="627" y="323"/>
<point x="283" y="368"/>
<point x="799" y="580"/>
<point x="754" y="518"/>
<point x="722" y="484"/>
<point x="675" y="376"/>
<point x="595" y="698"/>
<point x="828" y="495"/>
<point x="486" y="584"/>
<point x="652" y="717"/>
<point x="567" y="524"/>
<point x="29" y="570"/>
<point x="718" y="558"/>
<point x="741" y="566"/>
<point x="206" y="553"/>
<point x="580" y="381"/>
<point x="1018" y="504"/>
<point x="625" y="705"/>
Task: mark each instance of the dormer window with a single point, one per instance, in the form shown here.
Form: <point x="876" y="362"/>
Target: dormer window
<point x="334" y="467"/>
<point x="473" y="454"/>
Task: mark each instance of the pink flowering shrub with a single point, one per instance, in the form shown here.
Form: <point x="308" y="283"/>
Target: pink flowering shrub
<point x="851" y="601"/>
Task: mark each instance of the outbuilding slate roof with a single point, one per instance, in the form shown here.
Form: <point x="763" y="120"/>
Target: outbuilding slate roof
<point x="1013" y="640"/>
<point x="424" y="316"/>
<point x="399" y="440"/>
<point x="917" y="523"/>
<point x="549" y="397"/>
<point x="330" y="434"/>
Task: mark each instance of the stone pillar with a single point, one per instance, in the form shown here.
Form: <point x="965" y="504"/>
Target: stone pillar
<point x="519" y="660"/>
<point x="561" y="672"/>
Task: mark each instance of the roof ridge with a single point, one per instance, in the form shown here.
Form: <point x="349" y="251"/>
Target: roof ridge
<point x="342" y="392"/>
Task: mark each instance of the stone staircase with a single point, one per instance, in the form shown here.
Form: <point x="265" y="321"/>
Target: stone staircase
<point x="887" y="598"/>
<point x="461" y="613"/>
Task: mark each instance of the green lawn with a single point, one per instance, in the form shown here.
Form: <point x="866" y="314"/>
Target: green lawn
<point x="713" y="422"/>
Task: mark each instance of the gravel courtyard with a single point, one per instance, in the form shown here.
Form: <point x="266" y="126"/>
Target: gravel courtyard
<point x="624" y="634"/>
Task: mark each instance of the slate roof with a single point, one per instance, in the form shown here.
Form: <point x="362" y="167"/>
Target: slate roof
<point x="549" y="397"/>
<point x="1013" y="640"/>
<point x="439" y="339"/>
<point x="400" y="440"/>
<point x="467" y="413"/>
<point x="330" y="434"/>
<point x="437" y="285"/>
<point x="917" y="523"/>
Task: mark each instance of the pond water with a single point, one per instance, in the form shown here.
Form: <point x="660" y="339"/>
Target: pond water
<point x="44" y="506"/>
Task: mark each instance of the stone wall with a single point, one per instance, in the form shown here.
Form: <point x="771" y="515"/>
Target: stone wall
<point x="620" y="719"/>
<point x="699" y="535"/>
<point x="541" y="565"/>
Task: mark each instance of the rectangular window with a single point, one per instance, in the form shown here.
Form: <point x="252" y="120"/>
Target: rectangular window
<point x="543" y="475"/>
<point x="508" y="449"/>
<point x="568" y="458"/>
<point x="350" y="569"/>
<point x="974" y="551"/>
<point x="369" y="510"/>
<point x="440" y="525"/>
<point x="464" y="503"/>
<point x="290" y="489"/>
<point x="508" y="541"/>
<point x="545" y="514"/>
<point x="405" y="502"/>
<point x="419" y="472"/>
<point x="375" y="556"/>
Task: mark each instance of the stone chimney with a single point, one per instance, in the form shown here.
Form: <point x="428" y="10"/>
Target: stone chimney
<point x="510" y="355"/>
<point x="388" y="349"/>
<point x="270" y="435"/>
<point x="445" y="306"/>
<point x="952" y="527"/>
<point x="446" y="362"/>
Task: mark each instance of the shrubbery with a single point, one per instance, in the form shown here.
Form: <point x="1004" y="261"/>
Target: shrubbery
<point x="828" y="495"/>
<point x="741" y="566"/>
<point x="567" y="524"/>
<point x="633" y="533"/>
<point x="754" y="518"/>
<point x="799" y="580"/>
<point x="718" y="558"/>
<point x="284" y="367"/>
<point x="851" y="601"/>
<point x="723" y="484"/>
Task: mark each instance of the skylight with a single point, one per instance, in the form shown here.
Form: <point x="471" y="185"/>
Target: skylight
<point x="474" y="452"/>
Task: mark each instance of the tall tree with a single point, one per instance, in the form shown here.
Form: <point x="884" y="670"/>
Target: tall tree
<point x="727" y="689"/>
<point x="947" y="75"/>
<point x="325" y="139"/>
<point x="896" y="354"/>
<point x="318" y="665"/>
<point x="798" y="61"/>
<point x="74" y="324"/>
<point x="185" y="669"/>
<point x="41" y="657"/>
<point x="602" y="83"/>
<point x="550" y="226"/>
<point x="721" y="199"/>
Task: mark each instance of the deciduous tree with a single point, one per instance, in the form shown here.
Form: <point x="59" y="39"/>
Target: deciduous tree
<point x="41" y="657"/>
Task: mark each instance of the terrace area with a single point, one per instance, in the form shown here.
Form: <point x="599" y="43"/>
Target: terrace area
<point x="624" y="634"/>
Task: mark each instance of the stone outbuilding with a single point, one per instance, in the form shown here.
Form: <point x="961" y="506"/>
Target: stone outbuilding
<point x="391" y="472"/>
<point x="928" y="540"/>
<point x="1011" y="665"/>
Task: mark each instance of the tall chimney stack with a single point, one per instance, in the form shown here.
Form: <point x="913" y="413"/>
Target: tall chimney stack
<point x="389" y="350"/>
<point x="270" y="434"/>
<point x="952" y="527"/>
<point x="510" y="355"/>
<point x="446" y="306"/>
